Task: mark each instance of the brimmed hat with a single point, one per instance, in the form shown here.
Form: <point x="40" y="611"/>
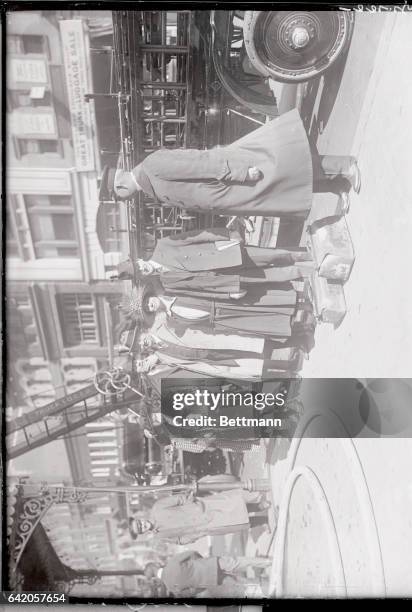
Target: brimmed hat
<point x="135" y="304"/>
<point x="106" y="190"/>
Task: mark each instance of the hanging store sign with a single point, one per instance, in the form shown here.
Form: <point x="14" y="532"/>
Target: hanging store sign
<point x="28" y="71"/>
<point x="27" y="123"/>
<point x="76" y="60"/>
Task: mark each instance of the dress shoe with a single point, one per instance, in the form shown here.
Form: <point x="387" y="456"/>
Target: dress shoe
<point x="344" y="202"/>
<point x="354" y="177"/>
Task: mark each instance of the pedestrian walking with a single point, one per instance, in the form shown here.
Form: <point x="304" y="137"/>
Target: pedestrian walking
<point x="185" y="518"/>
<point x="215" y="260"/>
<point x="272" y="171"/>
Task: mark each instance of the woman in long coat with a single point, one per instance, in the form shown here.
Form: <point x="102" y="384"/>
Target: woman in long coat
<point x="269" y="172"/>
<point x="264" y="320"/>
<point x="273" y="317"/>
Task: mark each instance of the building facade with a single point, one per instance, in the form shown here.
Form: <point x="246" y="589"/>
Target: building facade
<point x="60" y="306"/>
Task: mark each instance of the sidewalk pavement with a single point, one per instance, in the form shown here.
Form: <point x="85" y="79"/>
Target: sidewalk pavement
<point x="364" y="481"/>
<point x="375" y="338"/>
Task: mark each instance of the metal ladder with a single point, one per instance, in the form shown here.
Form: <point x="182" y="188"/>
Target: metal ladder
<point x="111" y="391"/>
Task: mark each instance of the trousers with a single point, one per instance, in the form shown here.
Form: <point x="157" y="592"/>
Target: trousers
<point x="263" y="265"/>
<point x="239" y="565"/>
<point x="331" y="172"/>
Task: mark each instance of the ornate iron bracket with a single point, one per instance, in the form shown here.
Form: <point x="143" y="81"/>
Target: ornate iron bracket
<point x="32" y="503"/>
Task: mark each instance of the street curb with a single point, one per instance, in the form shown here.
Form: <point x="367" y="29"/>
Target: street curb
<point x="370" y="97"/>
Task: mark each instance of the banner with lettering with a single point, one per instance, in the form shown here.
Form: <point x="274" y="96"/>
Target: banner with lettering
<point x="77" y="80"/>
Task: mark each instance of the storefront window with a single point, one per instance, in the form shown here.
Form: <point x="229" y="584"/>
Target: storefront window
<point x="38" y="146"/>
<point x="27" y="43"/>
<point x="34" y="97"/>
<point x="40" y="200"/>
<point x="78" y="319"/>
<point x="21" y="319"/>
<point x="52" y="225"/>
<point x="33" y="44"/>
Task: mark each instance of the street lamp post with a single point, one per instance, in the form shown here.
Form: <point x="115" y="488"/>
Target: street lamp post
<point x="204" y="486"/>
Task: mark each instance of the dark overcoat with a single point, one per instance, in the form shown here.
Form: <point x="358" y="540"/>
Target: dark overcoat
<point x="217" y="250"/>
<point x="177" y="282"/>
<point x="198" y="250"/>
<point x="202" y="284"/>
<point x="216" y="179"/>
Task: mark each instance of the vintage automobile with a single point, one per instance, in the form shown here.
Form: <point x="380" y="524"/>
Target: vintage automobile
<point x="201" y="79"/>
<point x="288" y="46"/>
<point x="144" y="459"/>
<point x="185" y="69"/>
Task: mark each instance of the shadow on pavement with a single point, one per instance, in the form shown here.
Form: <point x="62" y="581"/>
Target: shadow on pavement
<point x="332" y="82"/>
<point x="316" y="119"/>
<point x="277" y="449"/>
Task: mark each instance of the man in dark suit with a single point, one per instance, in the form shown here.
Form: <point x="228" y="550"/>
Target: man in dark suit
<point x="270" y="172"/>
<point x="180" y="258"/>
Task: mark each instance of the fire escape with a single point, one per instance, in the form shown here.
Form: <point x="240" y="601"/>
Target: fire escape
<point x="110" y="391"/>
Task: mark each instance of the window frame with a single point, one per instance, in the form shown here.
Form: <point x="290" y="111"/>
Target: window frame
<point x="18" y="142"/>
<point x="66" y="324"/>
<point x="43" y="209"/>
<point x="22" y="51"/>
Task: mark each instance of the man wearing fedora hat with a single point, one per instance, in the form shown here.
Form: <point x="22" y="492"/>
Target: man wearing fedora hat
<point x="184" y="518"/>
<point x="216" y="260"/>
<point x="272" y="171"/>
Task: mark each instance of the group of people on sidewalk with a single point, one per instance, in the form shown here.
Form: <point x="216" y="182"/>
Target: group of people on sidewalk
<point x="206" y="305"/>
<point x="185" y="517"/>
<point x="234" y="323"/>
<point x="230" y="309"/>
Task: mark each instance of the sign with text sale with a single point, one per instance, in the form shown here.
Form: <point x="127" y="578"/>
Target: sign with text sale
<point x="75" y="65"/>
